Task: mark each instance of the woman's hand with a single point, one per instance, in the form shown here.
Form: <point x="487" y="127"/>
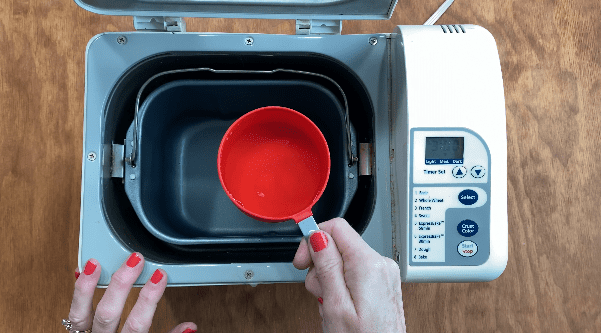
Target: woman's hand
<point x="359" y="290"/>
<point x="108" y="312"/>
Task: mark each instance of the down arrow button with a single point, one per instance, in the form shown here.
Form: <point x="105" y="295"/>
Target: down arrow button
<point x="478" y="171"/>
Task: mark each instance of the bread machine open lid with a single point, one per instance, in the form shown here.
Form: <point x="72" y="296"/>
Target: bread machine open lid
<point x="250" y="9"/>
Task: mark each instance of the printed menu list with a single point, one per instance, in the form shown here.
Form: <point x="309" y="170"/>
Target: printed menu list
<point x="428" y="243"/>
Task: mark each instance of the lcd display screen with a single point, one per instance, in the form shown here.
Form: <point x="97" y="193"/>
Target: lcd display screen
<point x="444" y="150"/>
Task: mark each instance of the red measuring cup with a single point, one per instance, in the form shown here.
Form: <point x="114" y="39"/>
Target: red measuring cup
<point x="274" y="164"/>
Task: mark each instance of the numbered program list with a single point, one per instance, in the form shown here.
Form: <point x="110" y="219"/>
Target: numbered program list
<point x="428" y="225"/>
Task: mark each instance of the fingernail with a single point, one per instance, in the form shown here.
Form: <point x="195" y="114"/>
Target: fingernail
<point x="77" y="275"/>
<point x="133" y="260"/>
<point x="320" y="300"/>
<point x="90" y="268"/>
<point x="319" y="241"/>
<point x="156" y="277"/>
<point x="189" y="330"/>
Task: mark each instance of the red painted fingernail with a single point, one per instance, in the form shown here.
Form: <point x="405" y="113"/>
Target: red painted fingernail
<point x="319" y="241"/>
<point x="133" y="260"/>
<point x="90" y="268"/>
<point x="189" y="330"/>
<point x="320" y="300"/>
<point x="77" y="275"/>
<point x="156" y="277"/>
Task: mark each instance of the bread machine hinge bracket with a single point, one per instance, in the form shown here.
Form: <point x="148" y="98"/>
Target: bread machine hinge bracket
<point x="117" y="161"/>
<point x="160" y="23"/>
<point x="366" y="159"/>
<point x="318" y="27"/>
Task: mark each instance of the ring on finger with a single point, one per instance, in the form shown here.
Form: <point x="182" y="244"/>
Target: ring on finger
<point x="69" y="327"/>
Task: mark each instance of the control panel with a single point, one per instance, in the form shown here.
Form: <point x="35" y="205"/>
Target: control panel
<point x="449" y="198"/>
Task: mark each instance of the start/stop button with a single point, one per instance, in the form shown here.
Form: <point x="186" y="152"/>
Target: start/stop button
<point x="467" y="248"/>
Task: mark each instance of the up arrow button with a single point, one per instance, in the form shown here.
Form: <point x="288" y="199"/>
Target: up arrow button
<point x="459" y="171"/>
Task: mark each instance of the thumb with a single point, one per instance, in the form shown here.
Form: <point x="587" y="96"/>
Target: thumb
<point x="187" y="327"/>
<point x="329" y="269"/>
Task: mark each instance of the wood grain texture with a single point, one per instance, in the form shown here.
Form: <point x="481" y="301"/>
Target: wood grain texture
<point x="550" y="54"/>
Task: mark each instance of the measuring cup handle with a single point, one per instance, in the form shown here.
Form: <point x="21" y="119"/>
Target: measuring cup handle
<point x="308" y="225"/>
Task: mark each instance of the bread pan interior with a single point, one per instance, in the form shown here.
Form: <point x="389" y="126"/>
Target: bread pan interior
<point x="176" y="191"/>
<point x="118" y="115"/>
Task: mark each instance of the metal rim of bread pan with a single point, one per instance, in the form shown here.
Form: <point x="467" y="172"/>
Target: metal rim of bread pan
<point x="132" y="158"/>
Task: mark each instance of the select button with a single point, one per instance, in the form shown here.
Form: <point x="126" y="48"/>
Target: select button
<point x="468" y="197"/>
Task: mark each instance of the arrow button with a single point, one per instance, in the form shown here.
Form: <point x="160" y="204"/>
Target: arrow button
<point x="478" y="171"/>
<point x="459" y="171"/>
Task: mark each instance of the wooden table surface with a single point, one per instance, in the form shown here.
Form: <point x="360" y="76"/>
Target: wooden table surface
<point x="551" y="60"/>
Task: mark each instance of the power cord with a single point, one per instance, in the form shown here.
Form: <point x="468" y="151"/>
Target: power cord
<point x="437" y="14"/>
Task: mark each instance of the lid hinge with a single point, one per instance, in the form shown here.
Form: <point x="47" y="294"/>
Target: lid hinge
<point x="318" y="27"/>
<point x="160" y="23"/>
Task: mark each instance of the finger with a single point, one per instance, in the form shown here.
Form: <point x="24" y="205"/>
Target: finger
<point x="110" y="307"/>
<point x="356" y="253"/>
<point x="302" y="258"/>
<point x="80" y="313"/>
<point x="187" y="327"/>
<point x="329" y="269"/>
<point x="349" y="243"/>
<point x="312" y="283"/>
<point x="140" y="317"/>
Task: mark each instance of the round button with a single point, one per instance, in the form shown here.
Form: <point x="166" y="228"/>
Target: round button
<point x="467" y="248"/>
<point x="478" y="171"/>
<point x="467" y="228"/>
<point x="468" y="197"/>
<point x="459" y="171"/>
